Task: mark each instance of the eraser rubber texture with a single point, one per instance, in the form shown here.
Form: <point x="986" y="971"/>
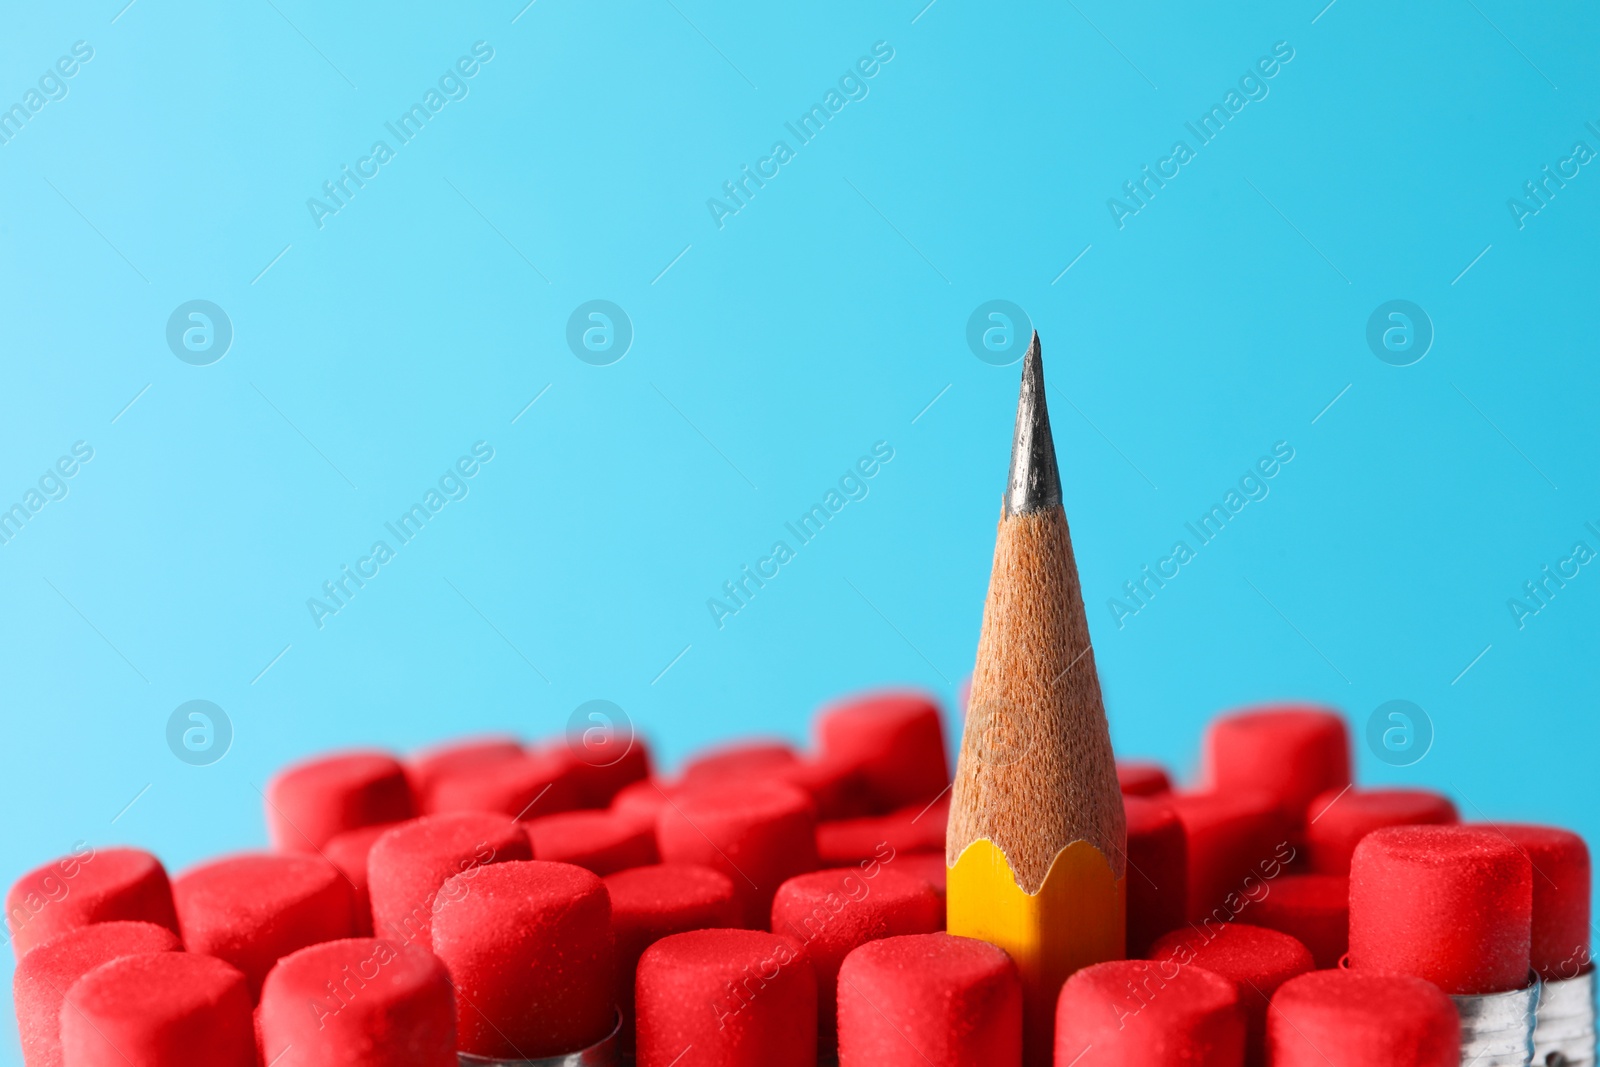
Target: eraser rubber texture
<point x="42" y="978"/>
<point x="358" y="1002"/>
<point x="918" y="828"/>
<point x="1452" y="904"/>
<point x="1139" y="778"/>
<point x="525" y="787"/>
<point x="835" y="911"/>
<point x="530" y="950"/>
<point x="88" y="886"/>
<point x="1560" y="860"/>
<point x="1256" y="960"/>
<point x="1293" y="752"/>
<point x="603" y="761"/>
<point x="1142" y="1013"/>
<point x="1336" y="1018"/>
<point x="758" y="834"/>
<point x="929" y="1000"/>
<point x="739" y="998"/>
<point x="308" y="803"/>
<point x="1234" y="841"/>
<point x="407" y="865"/>
<point x="601" y="841"/>
<point x="161" y="1009"/>
<point x="1158" y="871"/>
<point x="427" y="766"/>
<point x="896" y="739"/>
<point x="348" y="853"/>
<point x="1337" y="820"/>
<point x="253" y="908"/>
<point x="1314" y="909"/>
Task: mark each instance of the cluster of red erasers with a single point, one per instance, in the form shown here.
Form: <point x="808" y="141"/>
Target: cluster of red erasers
<point x="490" y="903"/>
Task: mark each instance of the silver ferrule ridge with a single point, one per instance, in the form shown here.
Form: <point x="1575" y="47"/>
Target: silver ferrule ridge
<point x="1564" y="1033"/>
<point x="1497" y="1028"/>
<point x="607" y="1052"/>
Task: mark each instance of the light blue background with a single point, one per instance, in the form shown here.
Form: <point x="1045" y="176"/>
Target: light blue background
<point x="822" y="318"/>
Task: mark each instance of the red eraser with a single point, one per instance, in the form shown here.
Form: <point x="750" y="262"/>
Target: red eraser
<point x="600" y="841"/>
<point x="348" y="854"/>
<point x="642" y="801"/>
<point x="1256" y="960"/>
<point x="758" y="834"/>
<point x="1314" y="909"/>
<point x="310" y="802"/>
<point x="1337" y="820"/>
<point x="1452" y="904"/>
<point x="1234" y="841"/>
<point x="1350" y="1019"/>
<point x="359" y="1002"/>
<point x="1158" y="872"/>
<point x="87" y="887"/>
<point x="252" y="908"/>
<point x="1139" y="1013"/>
<point x="929" y="1000"/>
<point x="1560" y="859"/>
<point x="427" y="766"/>
<point x="527" y="787"/>
<point x="158" y="1009"/>
<point x="929" y="866"/>
<point x="601" y="763"/>
<point x="837" y="787"/>
<point x="739" y="759"/>
<point x="835" y="911"/>
<point x="1140" y="778"/>
<point x="1292" y="752"/>
<point x="918" y="828"/>
<point x="40" y="983"/>
<point x="530" y="950"/>
<point x="739" y="998"/>
<point x="649" y="903"/>
<point x="407" y="865"/>
<point x="896" y="739"/>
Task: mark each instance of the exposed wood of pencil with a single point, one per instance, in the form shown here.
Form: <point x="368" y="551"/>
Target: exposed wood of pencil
<point x="1036" y="771"/>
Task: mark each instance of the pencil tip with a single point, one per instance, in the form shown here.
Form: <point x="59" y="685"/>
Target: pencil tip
<point x="1035" y="482"/>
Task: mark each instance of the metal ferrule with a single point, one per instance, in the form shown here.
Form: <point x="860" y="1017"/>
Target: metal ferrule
<point x="607" y="1052"/>
<point x="1564" y="1035"/>
<point x="1497" y="1028"/>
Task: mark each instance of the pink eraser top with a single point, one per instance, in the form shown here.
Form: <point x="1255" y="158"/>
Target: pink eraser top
<point x="358" y="1002"/>
<point x="87" y="887"/>
<point x="527" y="787"/>
<point x="929" y="1000"/>
<point x="1140" y="778"/>
<point x="407" y="865"/>
<point x="1158" y="871"/>
<point x="1314" y="909"/>
<point x="310" y="802"/>
<point x="1256" y="960"/>
<point x="643" y="800"/>
<point x="739" y="759"/>
<point x="918" y="828"/>
<point x="1292" y="752"/>
<point x="600" y="841"/>
<point x="739" y="998"/>
<point x="1140" y="1013"/>
<point x="1234" y="840"/>
<point x="42" y="979"/>
<point x="1352" y="1019"/>
<point x="252" y="908"/>
<point x="530" y="950"/>
<point x="835" y="911"/>
<point x="1452" y="904"/>
<point x="929" y="866"/>
<point x="896" y="739"/>
<point x="603" y="762"/>
<point x="162" y="1009"/>
<point x="427" y="766"/>
<point x="348" y="854"/>
<point x="837" y="786"/>
<point x="1560" y="860"/>
<point x="649" y="903"/>
<point x="759" y="834"/>
<point x="1337" y="820"/>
